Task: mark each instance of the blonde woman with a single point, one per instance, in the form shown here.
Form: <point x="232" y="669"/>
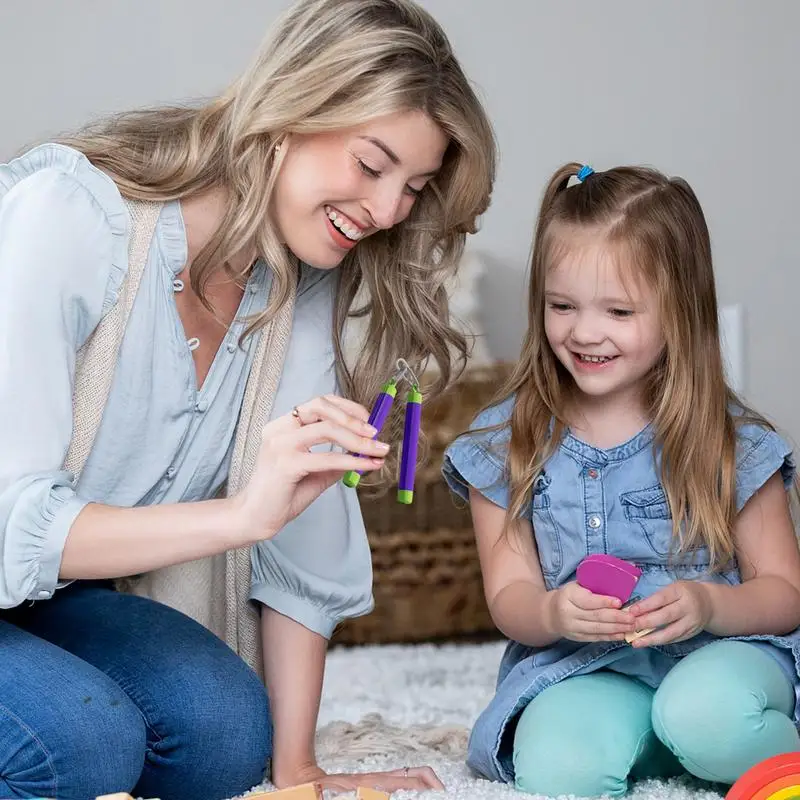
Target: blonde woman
<point x="349" y="161"/>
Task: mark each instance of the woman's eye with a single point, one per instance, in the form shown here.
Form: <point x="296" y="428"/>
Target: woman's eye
<point x="622" y="313"/>
<point x="373" y="173"/>
<point x="413" y="192"/>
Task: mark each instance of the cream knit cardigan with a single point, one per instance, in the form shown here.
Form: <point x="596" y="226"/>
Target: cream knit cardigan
<point x="214" y="591"/>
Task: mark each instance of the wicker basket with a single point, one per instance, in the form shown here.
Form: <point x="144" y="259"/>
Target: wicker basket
<point x="427" y="581"/>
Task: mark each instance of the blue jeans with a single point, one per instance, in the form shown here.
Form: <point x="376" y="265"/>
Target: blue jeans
<point x="103" y="692"/>
<point x="717" y="712"/>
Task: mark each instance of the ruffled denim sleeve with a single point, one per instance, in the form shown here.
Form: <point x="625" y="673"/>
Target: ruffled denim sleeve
<point x="478" y="458"/>
<point x="63" y="255"/>
<point x="318" y="569"/>
<point x="760" y="453"/>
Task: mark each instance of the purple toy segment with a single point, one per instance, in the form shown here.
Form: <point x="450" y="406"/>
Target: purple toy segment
<point x="410" y="441"/>
<point x="378" y="415"/>
<point x="608" y="575"/>
<point x="380" y="411"/>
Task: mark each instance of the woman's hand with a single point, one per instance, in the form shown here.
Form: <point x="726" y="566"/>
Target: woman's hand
<point x="288" y="477"/>
<point x="413" y="778"/>
<point x="678" y="611"/>
<point x="582" y="616"/>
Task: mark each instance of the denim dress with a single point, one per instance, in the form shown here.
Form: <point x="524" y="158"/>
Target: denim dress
<point x="589" y="500"/>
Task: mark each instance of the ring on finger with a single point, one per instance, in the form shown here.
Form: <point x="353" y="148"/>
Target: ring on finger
<point x="296" y="415"/>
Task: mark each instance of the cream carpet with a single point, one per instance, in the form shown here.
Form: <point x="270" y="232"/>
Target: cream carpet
<point x="377" y="702"/>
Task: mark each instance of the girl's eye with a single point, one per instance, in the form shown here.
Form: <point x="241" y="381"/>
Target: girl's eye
<point x="412" y="191"/>
<point x="373" y="173"/>
<point x="560" y="306"/>
<point x="621" y="313"/>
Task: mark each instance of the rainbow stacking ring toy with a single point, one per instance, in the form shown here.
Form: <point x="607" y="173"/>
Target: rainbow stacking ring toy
<point x="777" y="778"/>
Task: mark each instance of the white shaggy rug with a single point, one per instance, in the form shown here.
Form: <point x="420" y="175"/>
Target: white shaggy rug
<point x="410" y="687"/>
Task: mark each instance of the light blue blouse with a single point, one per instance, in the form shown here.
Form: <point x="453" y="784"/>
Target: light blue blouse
<point x="63" y="257"/>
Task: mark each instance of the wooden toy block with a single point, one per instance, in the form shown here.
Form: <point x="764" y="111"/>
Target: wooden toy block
<point x="305" y="791"/>
<point x="634" y="635"/>
<point x="370" y="794"/>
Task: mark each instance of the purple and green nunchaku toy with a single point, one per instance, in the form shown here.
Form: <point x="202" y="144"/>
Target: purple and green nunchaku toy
<point x="379" y="415"/>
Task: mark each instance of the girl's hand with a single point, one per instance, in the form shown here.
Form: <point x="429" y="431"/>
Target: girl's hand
<point x="288" y="477"/>
<point x="679" y="611"/>
<point x="582" y="616"/>
<point x="413" y="778"/>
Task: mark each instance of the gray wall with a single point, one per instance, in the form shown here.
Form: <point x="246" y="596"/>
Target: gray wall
<point x="707" y="89"/>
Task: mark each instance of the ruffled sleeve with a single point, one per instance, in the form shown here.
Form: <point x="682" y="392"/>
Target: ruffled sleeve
<point x="478" y="457"/>
<point x="760" y="453"/>
<point x="63" y="256"/>
<point x="318" y="569"/>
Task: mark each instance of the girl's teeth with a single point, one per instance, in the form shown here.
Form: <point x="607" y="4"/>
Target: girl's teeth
<point x="596" y="359"/>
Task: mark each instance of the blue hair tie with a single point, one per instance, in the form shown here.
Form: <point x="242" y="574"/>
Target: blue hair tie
<point x="584" y="172"/>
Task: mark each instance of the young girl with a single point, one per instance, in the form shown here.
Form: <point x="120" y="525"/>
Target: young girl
<point x="618" y="434"/>
<point x="350" y="161"/>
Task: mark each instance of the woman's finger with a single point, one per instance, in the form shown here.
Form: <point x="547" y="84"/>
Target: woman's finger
<point x="425" y="774"/>
<point x="383" y="781"/>
<point x="336" y="409"/>
<point x="348" y="406"/>
<point x="327" y="432"/>
<point x="317" y="463"/>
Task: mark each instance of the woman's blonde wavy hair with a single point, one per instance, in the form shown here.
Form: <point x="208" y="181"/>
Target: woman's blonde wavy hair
<point x="328" y="65"/>
<point x="655" y="226"/>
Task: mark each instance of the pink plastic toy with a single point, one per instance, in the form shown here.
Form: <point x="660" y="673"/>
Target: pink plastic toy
<point x="608" y="575"/>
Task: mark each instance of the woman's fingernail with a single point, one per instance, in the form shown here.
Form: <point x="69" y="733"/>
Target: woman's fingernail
<point x="370" y="431"/>
<point x="382" y="446"/>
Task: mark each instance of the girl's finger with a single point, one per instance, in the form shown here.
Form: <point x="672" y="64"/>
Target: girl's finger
<point x="663" y="597"/>
<point x="601" y="628"/>
<point x="589" y="601"/>
<point x="663" y="616"/>
<point x="605" y="615"/>
<point x="596" y="637"/>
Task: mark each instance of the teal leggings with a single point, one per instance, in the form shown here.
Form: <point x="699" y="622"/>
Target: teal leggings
<point x="720" y="710"/>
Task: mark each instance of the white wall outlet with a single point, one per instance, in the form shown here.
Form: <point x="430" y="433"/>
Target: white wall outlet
<point x="731" y="325"/>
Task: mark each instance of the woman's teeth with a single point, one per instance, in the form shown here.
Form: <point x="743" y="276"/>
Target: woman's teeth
<point x="349" y="230"/>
